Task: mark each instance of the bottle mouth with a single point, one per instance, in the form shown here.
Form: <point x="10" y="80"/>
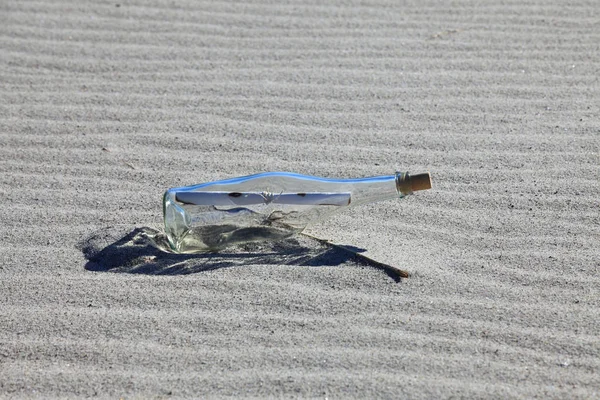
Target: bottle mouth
<point x="407" y="184"/>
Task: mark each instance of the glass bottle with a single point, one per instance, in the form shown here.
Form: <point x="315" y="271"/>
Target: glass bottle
<point x="268" y="206"/>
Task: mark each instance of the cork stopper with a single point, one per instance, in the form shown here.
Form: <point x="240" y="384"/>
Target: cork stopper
<point x="420" y="181"/>
<point x="407" y="184"/>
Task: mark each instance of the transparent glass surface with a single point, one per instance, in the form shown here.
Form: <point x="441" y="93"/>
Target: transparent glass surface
<point x="268" y="206"/>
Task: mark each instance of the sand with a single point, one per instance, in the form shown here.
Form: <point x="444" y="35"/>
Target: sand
<point x="104" y="105"/>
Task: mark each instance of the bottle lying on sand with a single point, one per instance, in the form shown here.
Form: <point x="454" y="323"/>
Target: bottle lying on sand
<point x="268" y="206"/>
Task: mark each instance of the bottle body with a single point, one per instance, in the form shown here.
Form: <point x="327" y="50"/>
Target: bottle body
<point x="267" y="206"/>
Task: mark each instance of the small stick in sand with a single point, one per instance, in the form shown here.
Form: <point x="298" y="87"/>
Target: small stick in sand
<point x="394" y="272"/>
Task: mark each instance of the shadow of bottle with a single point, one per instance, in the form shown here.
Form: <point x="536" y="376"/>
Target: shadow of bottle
<point x="142" y="251"/>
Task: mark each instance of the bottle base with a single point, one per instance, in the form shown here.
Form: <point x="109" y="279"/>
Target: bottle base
<point x="210" y="238"/>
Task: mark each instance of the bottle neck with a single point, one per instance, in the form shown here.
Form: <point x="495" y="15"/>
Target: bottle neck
<point x="380" y="188"/>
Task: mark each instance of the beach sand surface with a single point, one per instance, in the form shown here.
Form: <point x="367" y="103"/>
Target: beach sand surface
<point x="106" y="104"/>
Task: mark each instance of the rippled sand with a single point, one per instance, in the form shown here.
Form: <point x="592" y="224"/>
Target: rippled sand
<point x="103" y="106"/>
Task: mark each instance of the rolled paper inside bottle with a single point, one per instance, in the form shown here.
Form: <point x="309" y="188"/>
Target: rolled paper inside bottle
<point x="254" y="198"/>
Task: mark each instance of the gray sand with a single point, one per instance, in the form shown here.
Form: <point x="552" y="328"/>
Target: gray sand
<point x="103" y="106"/>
